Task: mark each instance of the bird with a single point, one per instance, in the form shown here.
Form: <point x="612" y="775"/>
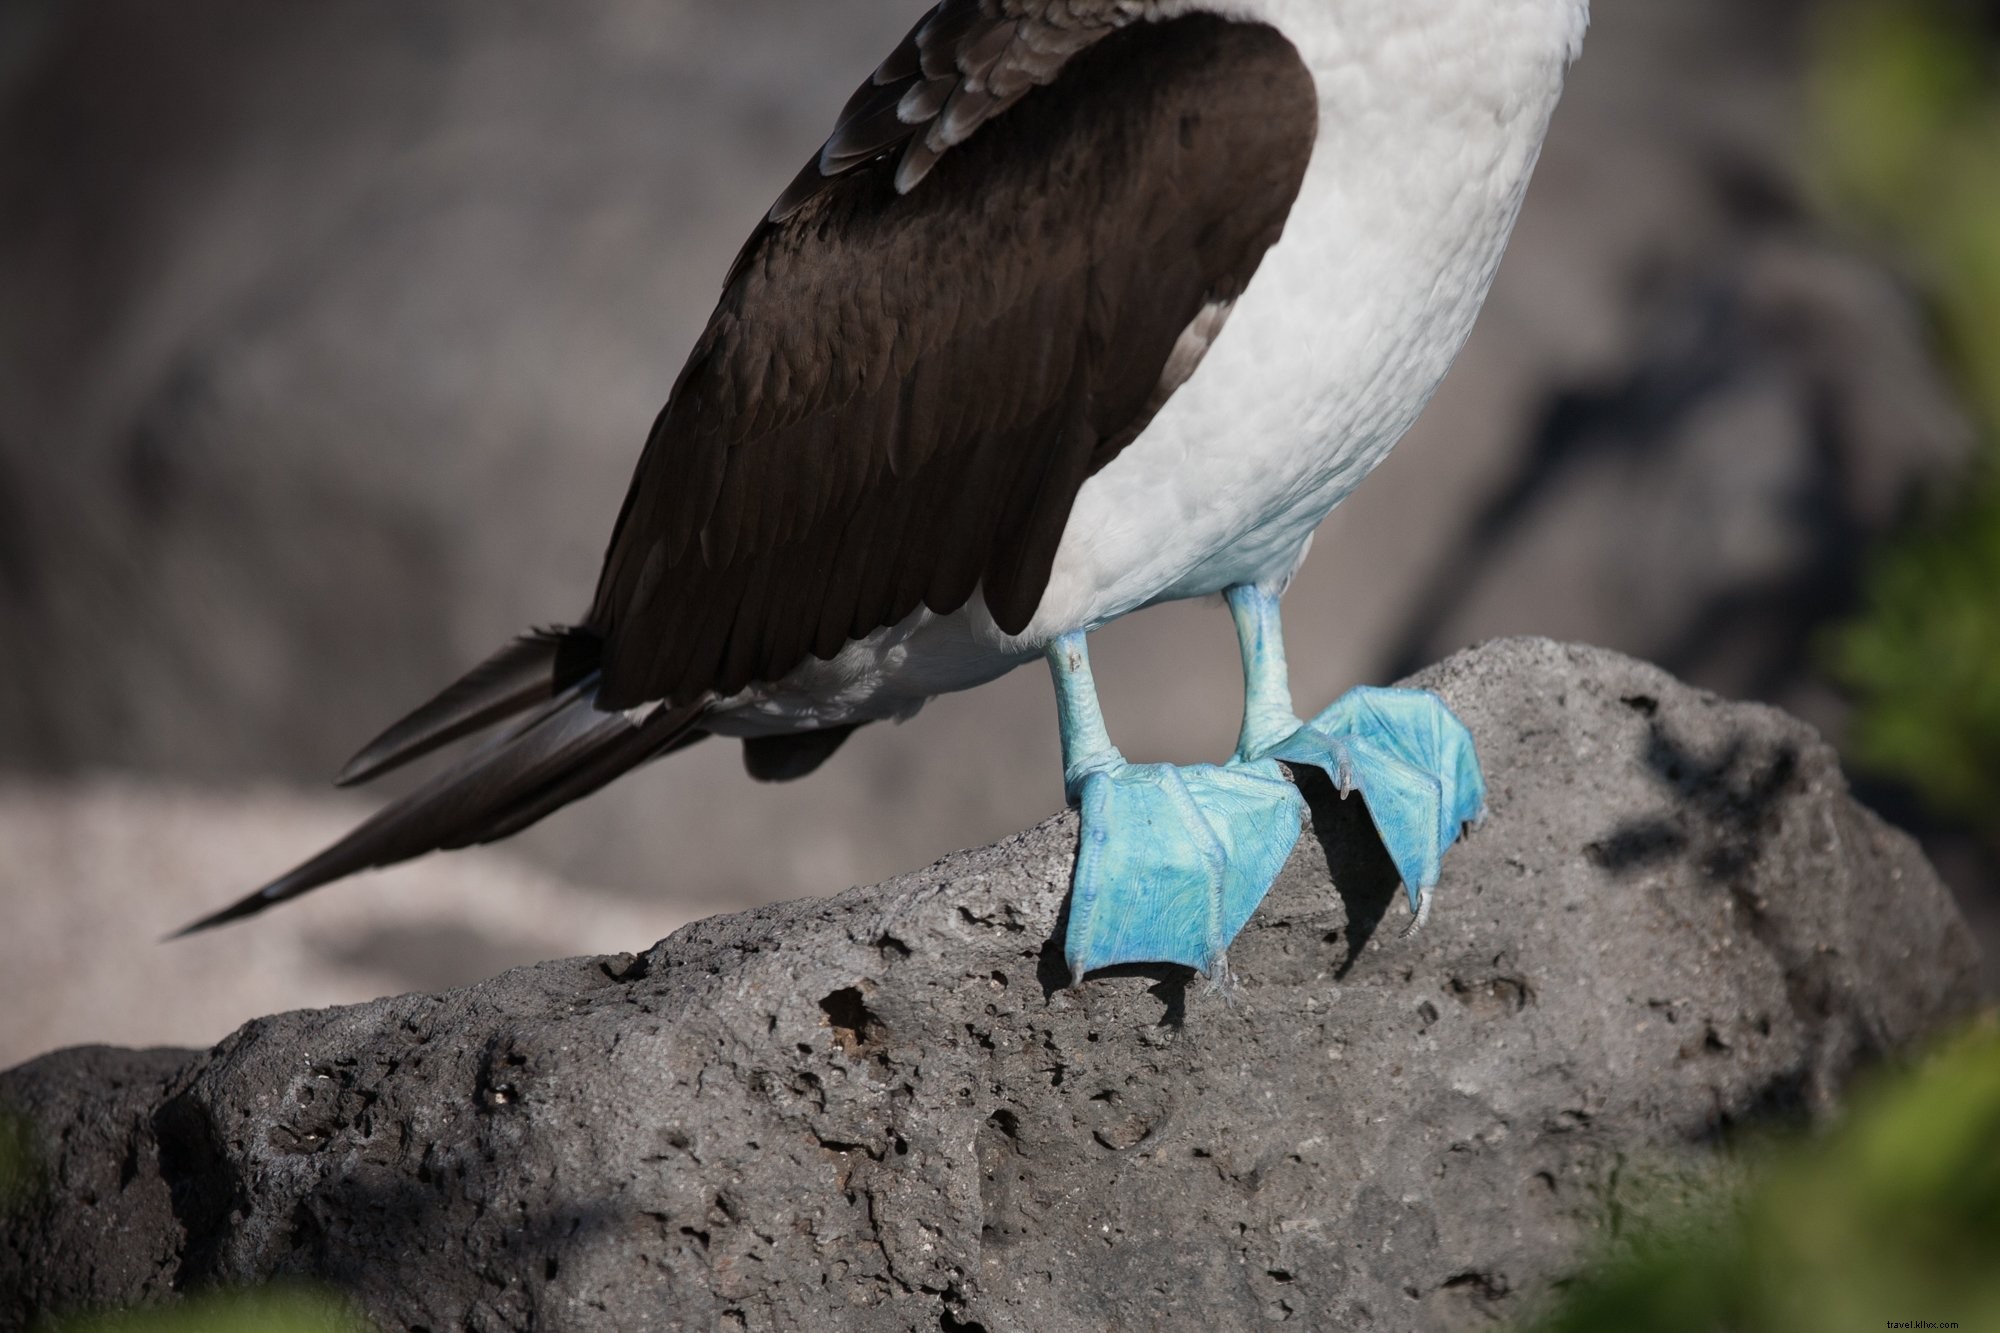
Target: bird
<point x="1083" y="306"/>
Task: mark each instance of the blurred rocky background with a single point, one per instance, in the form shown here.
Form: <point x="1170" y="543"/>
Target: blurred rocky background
<point x="330" y="333"/>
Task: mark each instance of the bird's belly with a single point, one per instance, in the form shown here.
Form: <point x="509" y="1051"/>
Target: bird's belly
<point x="1328" y="358"/>
<point x="1288" y="414"/>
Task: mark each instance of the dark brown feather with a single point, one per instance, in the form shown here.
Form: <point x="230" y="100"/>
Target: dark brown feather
<point x="527" y="672"/>
<point x="899" y="395"/>
<point x="563" y="751"/>
<point x="789" y="758"/>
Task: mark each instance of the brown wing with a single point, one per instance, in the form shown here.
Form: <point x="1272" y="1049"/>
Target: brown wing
<point x="900" y="395"/>
<point x="964" y="63"/>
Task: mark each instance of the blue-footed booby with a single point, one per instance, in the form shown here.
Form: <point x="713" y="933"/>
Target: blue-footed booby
<point x="1084" y="306"/>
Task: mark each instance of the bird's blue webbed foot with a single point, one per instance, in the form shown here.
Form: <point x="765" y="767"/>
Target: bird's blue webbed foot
<point x="1404" y="751"/>
<point x="1173" y="861"/>
<point x="1414" y="765"/>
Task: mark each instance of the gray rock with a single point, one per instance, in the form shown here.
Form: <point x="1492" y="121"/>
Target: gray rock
<point x="884" y="1110"/>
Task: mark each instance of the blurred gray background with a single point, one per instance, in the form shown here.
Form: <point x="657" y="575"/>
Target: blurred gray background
<point x="329" y="333"/>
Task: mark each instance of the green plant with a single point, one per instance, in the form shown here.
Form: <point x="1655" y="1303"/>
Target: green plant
<point x="271" y="1310"/>
<point x="1925" y="658"/>
<point x="1906" y="106"/>
<point x="1893" y="1216"/>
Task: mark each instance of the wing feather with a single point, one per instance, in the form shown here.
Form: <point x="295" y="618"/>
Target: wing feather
<point x="900" y="394"/>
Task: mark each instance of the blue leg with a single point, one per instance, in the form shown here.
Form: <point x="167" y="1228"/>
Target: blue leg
<point x="1172" y="861"/>
<point x="1403" y="750"/>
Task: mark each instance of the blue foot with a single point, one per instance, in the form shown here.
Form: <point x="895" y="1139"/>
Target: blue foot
<point x="1174" y="860"/>
<point x="1412" y="761"/>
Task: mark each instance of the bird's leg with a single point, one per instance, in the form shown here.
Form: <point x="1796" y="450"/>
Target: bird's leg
<point x="1171" y="861"/>
<point x="1268" y="719"/>
<point x="1411" y="759"/>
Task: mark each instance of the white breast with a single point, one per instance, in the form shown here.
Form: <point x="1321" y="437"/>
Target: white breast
<point x="1432" y="113"/>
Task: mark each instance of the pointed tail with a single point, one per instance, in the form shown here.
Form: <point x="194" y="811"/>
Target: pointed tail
<point x="562" y="750"/>
<point x="532" y="670"/>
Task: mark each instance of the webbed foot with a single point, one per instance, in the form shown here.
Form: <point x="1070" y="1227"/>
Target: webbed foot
<point x="1173" y="861"/>
<point x="1414" y="764"/>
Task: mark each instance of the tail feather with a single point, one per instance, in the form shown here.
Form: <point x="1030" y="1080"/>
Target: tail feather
<point x="592" y="762"/>
<point x="564" y="750"/>
<point x="532" y="670"/>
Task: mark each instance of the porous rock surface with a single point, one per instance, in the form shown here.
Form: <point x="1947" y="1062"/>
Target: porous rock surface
<point x="884" y="1110"/>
